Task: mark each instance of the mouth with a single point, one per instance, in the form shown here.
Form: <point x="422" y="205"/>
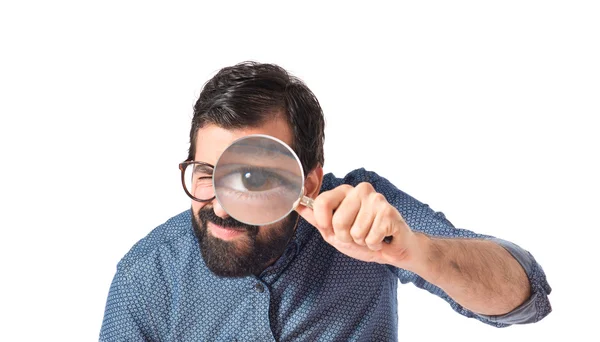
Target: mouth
<point x="225" y="233"/>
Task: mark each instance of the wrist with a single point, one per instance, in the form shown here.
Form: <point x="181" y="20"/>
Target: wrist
<point x="424" y="257"/>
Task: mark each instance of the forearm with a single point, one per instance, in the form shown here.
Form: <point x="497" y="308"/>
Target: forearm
<point x="480" y="275"/>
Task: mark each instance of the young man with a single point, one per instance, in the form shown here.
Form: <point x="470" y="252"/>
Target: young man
<point x="317" y="275"/>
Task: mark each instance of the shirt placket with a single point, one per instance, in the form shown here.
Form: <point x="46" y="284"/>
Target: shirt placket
<point x="261" y="297"/>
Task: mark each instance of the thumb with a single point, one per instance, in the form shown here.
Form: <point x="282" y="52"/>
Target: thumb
<point x="307" y="213"/>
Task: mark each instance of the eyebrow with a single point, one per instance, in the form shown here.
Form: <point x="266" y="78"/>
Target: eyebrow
<point x="266" y="148"/>
<point x="203" y="168"/>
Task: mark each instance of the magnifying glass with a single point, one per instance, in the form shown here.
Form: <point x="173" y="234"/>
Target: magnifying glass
<point x="259" y="180"/>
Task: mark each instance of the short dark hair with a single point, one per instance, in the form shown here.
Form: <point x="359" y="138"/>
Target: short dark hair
<point x="249" y="93"/>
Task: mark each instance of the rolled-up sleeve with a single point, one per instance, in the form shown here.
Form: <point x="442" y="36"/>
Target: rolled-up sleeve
<point x="538" y="305"/>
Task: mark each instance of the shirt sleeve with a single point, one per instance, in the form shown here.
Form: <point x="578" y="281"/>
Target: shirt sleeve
<point x="420" y="217"/>
<point x="125" y="316"/>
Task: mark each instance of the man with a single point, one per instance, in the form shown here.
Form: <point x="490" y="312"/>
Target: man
<point x="318" y="275"/>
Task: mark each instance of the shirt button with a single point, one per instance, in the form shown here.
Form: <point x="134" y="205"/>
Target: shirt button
<point x="259" y="287"/>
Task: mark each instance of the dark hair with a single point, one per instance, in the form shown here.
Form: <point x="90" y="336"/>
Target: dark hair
<point x="250" y="93"/>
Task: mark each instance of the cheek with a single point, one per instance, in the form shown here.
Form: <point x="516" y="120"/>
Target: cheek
<point x="266" y="233"/>
<point x="196" y="206"/>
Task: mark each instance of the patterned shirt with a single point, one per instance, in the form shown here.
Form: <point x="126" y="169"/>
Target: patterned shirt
<point x="163" y="291"/>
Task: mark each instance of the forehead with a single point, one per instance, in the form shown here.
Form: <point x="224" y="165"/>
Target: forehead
<point x="212" y="140"/>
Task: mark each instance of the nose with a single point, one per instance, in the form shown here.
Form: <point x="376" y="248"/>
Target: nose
<point x="218" y="209"/>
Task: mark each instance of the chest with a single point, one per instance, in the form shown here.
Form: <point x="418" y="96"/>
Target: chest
<point x="318" y="295"/>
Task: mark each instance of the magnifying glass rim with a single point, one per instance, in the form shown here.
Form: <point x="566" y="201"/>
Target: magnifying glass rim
<point x="293" y="207"/>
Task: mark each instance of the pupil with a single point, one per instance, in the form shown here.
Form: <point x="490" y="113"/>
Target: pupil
<point x="254" y="180"/>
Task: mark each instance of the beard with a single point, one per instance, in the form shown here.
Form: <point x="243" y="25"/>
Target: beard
<point x="245" y="255"/>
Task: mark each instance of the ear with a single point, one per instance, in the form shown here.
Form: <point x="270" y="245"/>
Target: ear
<point x="312" y="185"/>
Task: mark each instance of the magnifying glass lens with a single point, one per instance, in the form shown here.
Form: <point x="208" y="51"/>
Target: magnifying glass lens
<point x="258" y="179"/>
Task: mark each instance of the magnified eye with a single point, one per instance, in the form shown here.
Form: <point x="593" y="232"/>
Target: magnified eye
<point x="258" y="180"/>
<point x="253" y="180"/>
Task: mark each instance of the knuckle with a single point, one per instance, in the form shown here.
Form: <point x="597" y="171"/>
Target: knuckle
<point x="345" y="187"/>
<point x="373" y="245"/>
<point x="338" y="222"/>
<point x="365" y="187"/>
<point x="357" y="233"/>
<point x="370" y="240"/>
<point x="322" y="203"/>
<point x="343" y="235"/>
<point x="377" y="197"/>
<point x="389" y="211"/>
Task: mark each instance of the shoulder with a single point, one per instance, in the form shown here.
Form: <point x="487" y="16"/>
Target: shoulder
<point x="356" y="177"/>
<point x="166" y="237"/>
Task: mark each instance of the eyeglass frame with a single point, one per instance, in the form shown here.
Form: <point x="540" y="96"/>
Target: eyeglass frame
<point x="183" y="166"/>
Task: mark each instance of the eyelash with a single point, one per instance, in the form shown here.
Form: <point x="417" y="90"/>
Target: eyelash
<point x="262" y="195"/>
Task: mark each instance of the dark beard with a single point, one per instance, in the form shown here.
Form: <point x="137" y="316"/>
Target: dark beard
<point x="249" y="256"/>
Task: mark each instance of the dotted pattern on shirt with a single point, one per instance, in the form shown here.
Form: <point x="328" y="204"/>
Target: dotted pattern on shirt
<point x="162" y="290"/>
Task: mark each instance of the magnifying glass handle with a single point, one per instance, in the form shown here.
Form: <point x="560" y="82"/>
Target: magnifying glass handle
<point x="308" y="202"/>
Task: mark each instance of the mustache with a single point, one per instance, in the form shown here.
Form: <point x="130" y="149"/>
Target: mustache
<point x="207" y="214"/>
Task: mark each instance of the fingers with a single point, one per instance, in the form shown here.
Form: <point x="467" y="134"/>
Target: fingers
<point x="383" y="225"/>
<point x="307" y="214"/>
<point x="345" y="215"/>
<point x="364" y="220"/>
<point x="324" y="206"/>
<point x="352" y="215"/>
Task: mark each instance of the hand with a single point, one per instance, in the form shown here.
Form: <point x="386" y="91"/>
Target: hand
<point x="355" y="220"/>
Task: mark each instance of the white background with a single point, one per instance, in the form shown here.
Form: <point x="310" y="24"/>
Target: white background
<point x="486" y="111"/>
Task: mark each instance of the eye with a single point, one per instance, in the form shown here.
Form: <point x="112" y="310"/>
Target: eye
<point x="203" y="180"/>
<point x="201" y="176"/>
<point x="253" y="180"/>
<point x="259" y="180"/>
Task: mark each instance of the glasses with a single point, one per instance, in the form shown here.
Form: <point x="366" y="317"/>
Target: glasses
<point x="196" y="179"/>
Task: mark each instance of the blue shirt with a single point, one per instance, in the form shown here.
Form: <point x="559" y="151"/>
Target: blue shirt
<point x="163" y="291"/>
